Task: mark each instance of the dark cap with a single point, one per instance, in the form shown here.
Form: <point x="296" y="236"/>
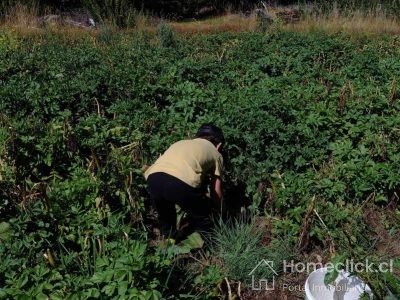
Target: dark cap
<point x="212" y="133"/>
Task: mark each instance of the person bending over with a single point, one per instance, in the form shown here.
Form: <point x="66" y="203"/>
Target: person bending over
<point x="181" y="176"/>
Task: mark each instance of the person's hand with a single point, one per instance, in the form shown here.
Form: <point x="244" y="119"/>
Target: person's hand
<point x="219" y="147"/>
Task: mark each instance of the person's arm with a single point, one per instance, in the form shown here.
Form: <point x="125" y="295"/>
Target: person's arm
<point x="218" y="188"/>
<point x="216" y="194"/>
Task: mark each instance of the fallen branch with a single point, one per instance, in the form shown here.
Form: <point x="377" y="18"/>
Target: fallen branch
<point x="332" y="244"/>
<point x="229" y="289"/>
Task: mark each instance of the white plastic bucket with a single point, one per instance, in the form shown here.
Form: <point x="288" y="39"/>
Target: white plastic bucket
<point x="345" y="287"/>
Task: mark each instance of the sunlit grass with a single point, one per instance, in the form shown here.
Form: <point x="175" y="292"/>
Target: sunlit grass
<point x="226" y="23"/>
<point x="356" y="23"/>
<point x="353" y="22"/>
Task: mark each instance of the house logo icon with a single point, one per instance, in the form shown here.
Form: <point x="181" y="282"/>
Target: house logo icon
<point x="259" y="284"/>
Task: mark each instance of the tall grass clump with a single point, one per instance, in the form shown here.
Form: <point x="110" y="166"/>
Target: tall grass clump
<point x="389" y="7"/>
<point x="118" y="13"/>
<point x="238" y="246"/>
<point x="354" y="17"/>
<point x="166" y="35"/>
<point x="351" y="8"/>
<point x="20" y="13"/>
<point x="7" y="5"/>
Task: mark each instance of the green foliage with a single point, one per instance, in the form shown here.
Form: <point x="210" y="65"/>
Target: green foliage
<point x="333" y="272"/>
<point x="305" y="117"/>
<point x="85" y="257"/>
<point x="5" y="232"/>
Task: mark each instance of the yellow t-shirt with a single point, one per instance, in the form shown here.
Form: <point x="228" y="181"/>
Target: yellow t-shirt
<point x="189" y="161"/>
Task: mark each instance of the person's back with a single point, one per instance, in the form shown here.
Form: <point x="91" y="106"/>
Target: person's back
<point x="189" y="161"/>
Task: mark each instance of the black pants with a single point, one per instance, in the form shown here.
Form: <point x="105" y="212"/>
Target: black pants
<point x="166" y="191"/>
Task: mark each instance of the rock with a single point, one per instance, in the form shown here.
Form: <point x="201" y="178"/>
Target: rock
<point x="289" y="14"/>
<point x="71" y="22"/>
<point x="50" y="20"/>
<point x="92" y="23"/>
<point x="77" y="18"/>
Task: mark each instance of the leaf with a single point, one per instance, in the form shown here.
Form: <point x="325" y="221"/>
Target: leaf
<point x="41" y="296"/>
<point x="390" y="296"/>
<point x="92" y="293"/>
<point x="56" y="297"/>
<point x="176" y="249"/>
<point x="193" y="241"/>
<point x="5" y="231"/>
<point x="22" y="281"/>
<point x="396" y="263"/>
<point x="331" y="276"/>
<point x="122" y="288"/>
<point x="109" y="289"/>
<point x="333" y="269"/>
<point x="392" y="282"/>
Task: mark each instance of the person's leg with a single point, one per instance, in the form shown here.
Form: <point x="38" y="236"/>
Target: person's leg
<point x="192" y="201"/>
<point x="167" y="218"/>
<point x="199" y="214"/>
<point x="165" y="208"/>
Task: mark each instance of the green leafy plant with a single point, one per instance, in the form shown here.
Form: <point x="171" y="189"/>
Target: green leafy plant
<point x="311" y="123"/>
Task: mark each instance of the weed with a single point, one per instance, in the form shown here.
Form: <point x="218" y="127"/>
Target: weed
<point x="237" y="244"/>
<point x="166" y="35"/>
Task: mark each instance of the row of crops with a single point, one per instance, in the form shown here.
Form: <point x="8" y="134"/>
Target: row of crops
<point x="311" y="123"/>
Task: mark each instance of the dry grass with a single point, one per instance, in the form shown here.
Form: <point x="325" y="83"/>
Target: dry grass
<point x="351" y="22"/>
<point x="21" y="16"/>
<point x="27" y="21"/>
<point x="226" y="23"/>
<point x="354" y="23"/>
<point x="144" y="22"/>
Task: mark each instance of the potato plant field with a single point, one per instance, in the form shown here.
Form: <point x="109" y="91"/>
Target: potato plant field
<point x="312" y="160"/>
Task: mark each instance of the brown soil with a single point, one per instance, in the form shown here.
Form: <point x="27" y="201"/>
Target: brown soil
<point x="380" y="221"/>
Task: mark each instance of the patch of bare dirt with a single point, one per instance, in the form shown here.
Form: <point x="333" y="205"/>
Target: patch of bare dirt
<point x="382" y="221"/>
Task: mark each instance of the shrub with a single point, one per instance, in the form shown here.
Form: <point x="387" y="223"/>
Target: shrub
<point x="166" y="35"/>
<point x="119" y="13"/>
